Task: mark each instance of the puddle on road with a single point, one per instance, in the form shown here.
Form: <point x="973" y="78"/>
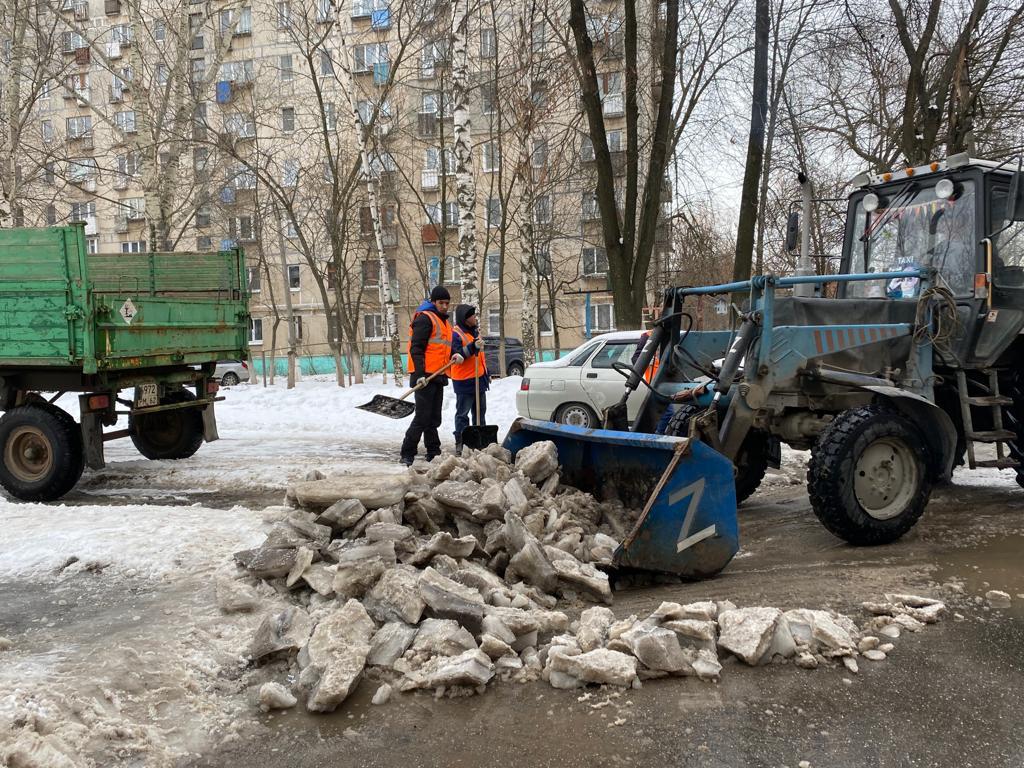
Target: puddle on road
<point x="999" y="561"/>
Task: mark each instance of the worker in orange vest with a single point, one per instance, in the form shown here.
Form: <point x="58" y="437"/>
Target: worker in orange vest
<point x="469" y="376"/>
<point x="429" y="350"/>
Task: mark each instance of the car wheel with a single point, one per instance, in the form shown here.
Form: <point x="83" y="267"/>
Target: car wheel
<point x="576" y="415"/>
<point x="516" y="369"/>
<point x="229" y="379"/>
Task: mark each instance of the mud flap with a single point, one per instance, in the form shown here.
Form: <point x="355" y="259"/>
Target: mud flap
<point x="685" y="488"/>
<point x="209" y="424"/>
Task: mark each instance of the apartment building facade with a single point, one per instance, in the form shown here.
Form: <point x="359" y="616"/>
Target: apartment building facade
<point x="205" y="125"/>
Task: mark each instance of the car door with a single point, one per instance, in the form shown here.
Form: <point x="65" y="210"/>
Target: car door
<point x="603" y="384"/>
<point x="551" y="386"/>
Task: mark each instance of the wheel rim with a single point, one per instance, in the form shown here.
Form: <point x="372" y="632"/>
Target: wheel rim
<point x="516" y="370"/>
<point x="230" y="379"/>
<point x="886" y="478"/>
<point x="576" y="416"/>
<point x="28" y="454"/>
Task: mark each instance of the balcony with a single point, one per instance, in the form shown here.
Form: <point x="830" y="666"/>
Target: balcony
<point x="612" y="105"/>
<point x="430" y="234"/>
<point x="428" y="179"/>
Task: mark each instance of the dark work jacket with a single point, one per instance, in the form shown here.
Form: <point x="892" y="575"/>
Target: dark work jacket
<point x="421" y="329"/>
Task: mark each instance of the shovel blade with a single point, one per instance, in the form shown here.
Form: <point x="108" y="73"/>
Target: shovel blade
<point x="480" y="437"/>
<point x="685" y="488"/>
<point x="391" y="407"/>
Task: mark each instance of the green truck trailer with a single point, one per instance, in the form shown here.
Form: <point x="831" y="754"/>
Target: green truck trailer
<point x="150" y="324"/>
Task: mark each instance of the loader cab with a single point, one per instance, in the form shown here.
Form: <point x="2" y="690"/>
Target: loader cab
<point x="949" y="216"/>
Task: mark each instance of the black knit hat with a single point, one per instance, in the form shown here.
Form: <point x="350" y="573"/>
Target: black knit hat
<point x="440" y="293"/>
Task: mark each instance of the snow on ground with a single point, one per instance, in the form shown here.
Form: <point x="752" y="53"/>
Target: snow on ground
<point x="147" y="541"/>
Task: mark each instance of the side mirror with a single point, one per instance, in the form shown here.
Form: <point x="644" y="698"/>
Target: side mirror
<point x="792" y="231"/>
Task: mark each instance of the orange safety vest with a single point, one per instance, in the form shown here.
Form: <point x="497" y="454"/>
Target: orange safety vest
<point x="471" y="367"/>
<point x="439" y="345"/>
<point x="652" y="369"/>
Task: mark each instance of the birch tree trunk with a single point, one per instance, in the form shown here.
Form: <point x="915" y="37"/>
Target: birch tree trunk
<point x="387" y="298"/>
<point x="465" y="186"/>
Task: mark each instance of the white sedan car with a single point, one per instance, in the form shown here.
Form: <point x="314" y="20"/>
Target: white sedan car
<point x="576" y="388"/>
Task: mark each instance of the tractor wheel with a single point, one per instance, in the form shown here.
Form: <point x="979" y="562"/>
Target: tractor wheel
<point x="175" y="434"/>
<point x="869" y="478"/>
<point x="751" y="462"/>
<point x="42" y="452"/>
<point x="1013" y="418"/>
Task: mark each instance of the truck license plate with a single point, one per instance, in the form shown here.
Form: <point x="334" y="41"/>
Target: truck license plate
<point x="147" y="395"/>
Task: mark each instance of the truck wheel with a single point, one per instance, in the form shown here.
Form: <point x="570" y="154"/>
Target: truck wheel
<point x="868" y="478"/>
<point x="175" y="434"/>
<point x="751" y="462"/>
<point x="42" y="452"/>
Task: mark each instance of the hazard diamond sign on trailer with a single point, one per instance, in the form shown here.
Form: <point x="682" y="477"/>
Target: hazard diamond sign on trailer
<point x="128" y="311"/>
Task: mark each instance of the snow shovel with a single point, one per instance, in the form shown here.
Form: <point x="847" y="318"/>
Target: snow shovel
<point x="479" y="436"/>
<point x="399" y="407"/>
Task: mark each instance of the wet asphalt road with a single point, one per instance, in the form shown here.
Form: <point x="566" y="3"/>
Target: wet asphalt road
<point x="952" y="695"/>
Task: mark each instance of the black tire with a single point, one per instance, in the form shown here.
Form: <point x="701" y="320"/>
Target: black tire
<point x="577" y="414"/>
<point x="751" y="462"/>
<point x="516" y="369"/>
<point x="42" y="454"/>
<point x="175" y="434"/>
<point x="879" y="511"/>
<point x="1013" y="418"/>
<point x="229" y="379"/>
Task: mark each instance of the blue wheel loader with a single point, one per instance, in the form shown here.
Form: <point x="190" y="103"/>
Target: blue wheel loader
<point x="891" y="371"/>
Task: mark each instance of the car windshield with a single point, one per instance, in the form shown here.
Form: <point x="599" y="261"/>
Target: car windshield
<point x="912" y="229"/>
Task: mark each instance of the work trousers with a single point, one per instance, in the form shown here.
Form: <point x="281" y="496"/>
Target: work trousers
<point x="425" y="422"/>
<point x="466" y="406"/>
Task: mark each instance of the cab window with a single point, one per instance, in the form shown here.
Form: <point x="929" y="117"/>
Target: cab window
<point x="1008" y="245"/>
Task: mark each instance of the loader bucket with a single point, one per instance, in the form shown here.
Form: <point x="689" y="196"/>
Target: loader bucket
<point x="685" y="488"/>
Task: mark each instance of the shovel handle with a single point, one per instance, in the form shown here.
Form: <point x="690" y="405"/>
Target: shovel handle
<point x="423" y="382"/>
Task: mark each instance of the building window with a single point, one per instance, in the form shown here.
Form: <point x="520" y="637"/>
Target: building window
<point x="254" y="279"/>
<point x="494" y="322"/>
<point x="330" y="116"/>
<point x="46" y="127"/>
<point x="488" y="44"/>
<point x="133" y="207"/>
<point x="159" y="30"/>
<point x="79" y="127"/>
<point x="293" y="277"/>
<point x="284" y="15"/>
<point x="542" y="210"/>
<point x="324" y="13"/>
<point x="125" y="121"/>
<point x="542" y="258"/>
<point x="588" y="208"/>
<point x="539" y="93"/>
<point x="134" y="246"/>
<point x="494" y="266"/>
<point x="240" y="126"/>
<point x="83" y="211"/>
<point x="297" y="325"/>
<point x="290" y="173"/>
<point x="203" y="216"/>
<point x="50" y="172"/>
<point x="238" y="22"/>
<point x="326" y="63"/>
<point x="488" y="98"/>
<point x="540" y="36"/>
<point x="287" y="119"/>
<point x="539" y="156"/>
<point x="255" y="330"/>
<point x="452" y="271"/>
<point x="610" y="87"/>
<point x="491" y="156"/>
<point x="545" y="321"/>
<point x="51" y="214"/>
<point x="595" y="262"/>
<point x="601" y="318"/>
<point x="493" y="212"/>
<point x="284" y="68"/>
<point x="204" y="243"/>
<point x="371" y="272"/>
<point x="373" y="327"/>
<point x="240" y="228"/>
<point x="365" y="57"/>
<point x="92" y="245"/>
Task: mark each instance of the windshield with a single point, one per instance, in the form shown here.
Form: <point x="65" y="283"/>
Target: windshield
<point x="911" y="229"/>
